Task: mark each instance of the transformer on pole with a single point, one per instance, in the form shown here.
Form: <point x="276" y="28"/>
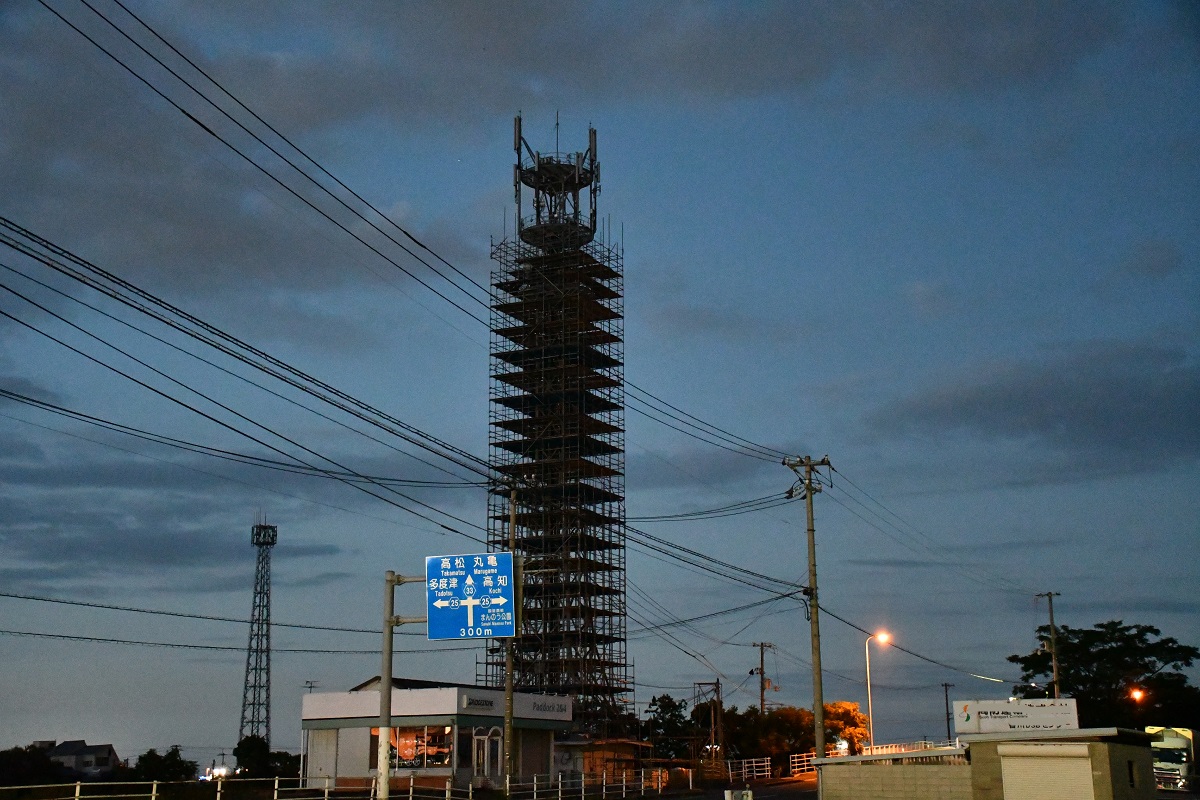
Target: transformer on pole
<point x="557" y="435"/>
<point x="256" y="696"/>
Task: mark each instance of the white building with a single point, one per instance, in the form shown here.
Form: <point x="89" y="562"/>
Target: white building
<point x="438" y="731"/>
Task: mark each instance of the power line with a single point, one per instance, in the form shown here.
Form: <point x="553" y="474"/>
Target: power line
<point x="183" y="615"/>
<point x="218" y="647"/>
<point x="700" y="429"/>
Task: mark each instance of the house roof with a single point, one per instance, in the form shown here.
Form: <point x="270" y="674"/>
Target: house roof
<point x="414" y="683"/>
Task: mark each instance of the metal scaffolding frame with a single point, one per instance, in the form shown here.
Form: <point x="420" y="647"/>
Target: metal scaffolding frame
<point x="557" y="437"/>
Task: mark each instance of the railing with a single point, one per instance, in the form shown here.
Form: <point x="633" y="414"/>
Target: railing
<point x="216" y="789"/>
<point x="800" y="764"/>
<point x="906" y="747"/>
<point x="603" y="785"/>
<point x="749" y="769"/>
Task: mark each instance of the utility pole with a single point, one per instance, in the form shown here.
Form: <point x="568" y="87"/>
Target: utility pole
<point x="762" y="676"/>
<point x="946" y="688"/>
<point x="808" y="487"/>
<point x="508" y="643"/>
<point x="390" y="621"/>
<point x="1053" y="639"/>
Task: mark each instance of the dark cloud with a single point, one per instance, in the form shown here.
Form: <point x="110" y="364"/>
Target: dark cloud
<point x="158" y="200"/>
<point x="718" y="324"/>
<point x="488" y="56"/>
<point x="1154" y="260"/>
<point x="1102" y="402"/>
<point x="319" y="580"/>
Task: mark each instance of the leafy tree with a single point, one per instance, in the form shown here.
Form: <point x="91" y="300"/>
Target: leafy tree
<point x="844" y="720"/>
<point x="28" y="766"/>
<point x="668" y="727"/>
<point x="284" y="764"/>
<point x="1100" y="667"/>
<point x="170" y="766"/>
<point x="253" y="756"/>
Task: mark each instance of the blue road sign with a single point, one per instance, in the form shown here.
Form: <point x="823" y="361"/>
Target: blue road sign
<point x="471" y="596"/>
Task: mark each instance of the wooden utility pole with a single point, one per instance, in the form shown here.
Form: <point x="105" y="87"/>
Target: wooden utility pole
<point x="1053" y="640"/>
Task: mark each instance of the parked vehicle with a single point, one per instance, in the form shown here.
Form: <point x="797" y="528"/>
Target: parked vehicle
<point x="1174" y="757"/>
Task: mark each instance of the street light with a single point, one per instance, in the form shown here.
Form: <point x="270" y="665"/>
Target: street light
<point x="882" y="637"/>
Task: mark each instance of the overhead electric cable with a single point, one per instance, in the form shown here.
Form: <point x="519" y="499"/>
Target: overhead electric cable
<point x="233" y="648"/>
<point x="252" y="162"/>
<point x="184" y="615"/>
<point x="702" y="429"/>
<point x="229" y="427"/>
<point x="232" y="346"/>
<point x="294" y="147"/>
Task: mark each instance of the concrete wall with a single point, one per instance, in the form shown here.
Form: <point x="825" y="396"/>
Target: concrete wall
<point x="1130" y="772"/>
<point x="1111" y="766"/>
<point x="896" y="781"/>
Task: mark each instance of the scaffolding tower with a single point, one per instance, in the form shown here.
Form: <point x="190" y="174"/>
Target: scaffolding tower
<point x="557" y="436"/>
<point x="256" y="696"/>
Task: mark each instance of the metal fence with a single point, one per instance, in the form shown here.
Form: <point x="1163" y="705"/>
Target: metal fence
<point x="749" y="769"/>
<point x="558" y="786"/>
<point x="602" y="785"/>
<point x="216" y="789"/>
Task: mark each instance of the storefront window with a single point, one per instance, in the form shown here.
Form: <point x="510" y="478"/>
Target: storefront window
<point x="417" y="747"/>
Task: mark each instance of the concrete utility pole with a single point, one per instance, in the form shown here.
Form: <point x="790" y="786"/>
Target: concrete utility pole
<point x="809" y="487"/>
<point x="508" y="643"/>
<point x="1053" y="640"/>
<point x="762" y="675"/>
<point x="390" y="621"/>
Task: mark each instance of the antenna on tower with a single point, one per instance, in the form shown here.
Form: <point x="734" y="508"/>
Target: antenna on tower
<point x="256" y="696"/>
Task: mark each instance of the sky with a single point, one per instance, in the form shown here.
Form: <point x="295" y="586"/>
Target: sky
<point x="953" y="246"/>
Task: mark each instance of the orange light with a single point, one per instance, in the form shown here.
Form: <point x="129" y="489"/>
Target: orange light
<point x="1137" y="695"/>
<point x="883" y="637"/>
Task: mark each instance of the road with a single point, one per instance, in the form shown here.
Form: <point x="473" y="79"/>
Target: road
<point x="785" y="789"/>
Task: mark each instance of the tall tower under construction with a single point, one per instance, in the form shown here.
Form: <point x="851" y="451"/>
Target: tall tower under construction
<point x="256" y="695"/>
<point x="557" y="435"/>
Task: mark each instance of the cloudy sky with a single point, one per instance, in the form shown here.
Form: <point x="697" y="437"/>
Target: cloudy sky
<point x="954" y="246"/>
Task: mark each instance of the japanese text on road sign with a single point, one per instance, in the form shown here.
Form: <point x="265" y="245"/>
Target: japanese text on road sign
<point x="470" y="596"/>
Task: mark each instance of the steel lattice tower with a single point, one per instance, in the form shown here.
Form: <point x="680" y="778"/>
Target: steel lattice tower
<point x="557" y="435"/>
<point x="256" y="696"/>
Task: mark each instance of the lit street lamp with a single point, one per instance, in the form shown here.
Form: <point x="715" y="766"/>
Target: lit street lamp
<point x="883" y="638"/>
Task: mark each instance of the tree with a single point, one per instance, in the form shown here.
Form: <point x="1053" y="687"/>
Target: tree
<point x="1100" y="667"/>
<point x="171" y="766"/>
<point x="284" y="764"/>
<point x="253" y="756"/>
<point x="668" y="728"/>
<point x="28" y="766"/>
<point x="844" y="720"/>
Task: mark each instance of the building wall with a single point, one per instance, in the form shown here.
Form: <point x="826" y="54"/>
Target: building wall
<point x="1130" y="772"/>
<point x="354" y="752"/>
<point x="322" y="754"/>
<point x="1110" y="764"/>
<point x="896" y="782"/>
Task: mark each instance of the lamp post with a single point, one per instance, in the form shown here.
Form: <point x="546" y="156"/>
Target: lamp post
<point x="883" y="638"/>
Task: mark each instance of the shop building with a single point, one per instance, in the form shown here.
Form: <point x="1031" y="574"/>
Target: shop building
<point x="438" y="731"/>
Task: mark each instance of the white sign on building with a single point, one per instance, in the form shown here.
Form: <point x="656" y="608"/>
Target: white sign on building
<point x="1008" y="716"/>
